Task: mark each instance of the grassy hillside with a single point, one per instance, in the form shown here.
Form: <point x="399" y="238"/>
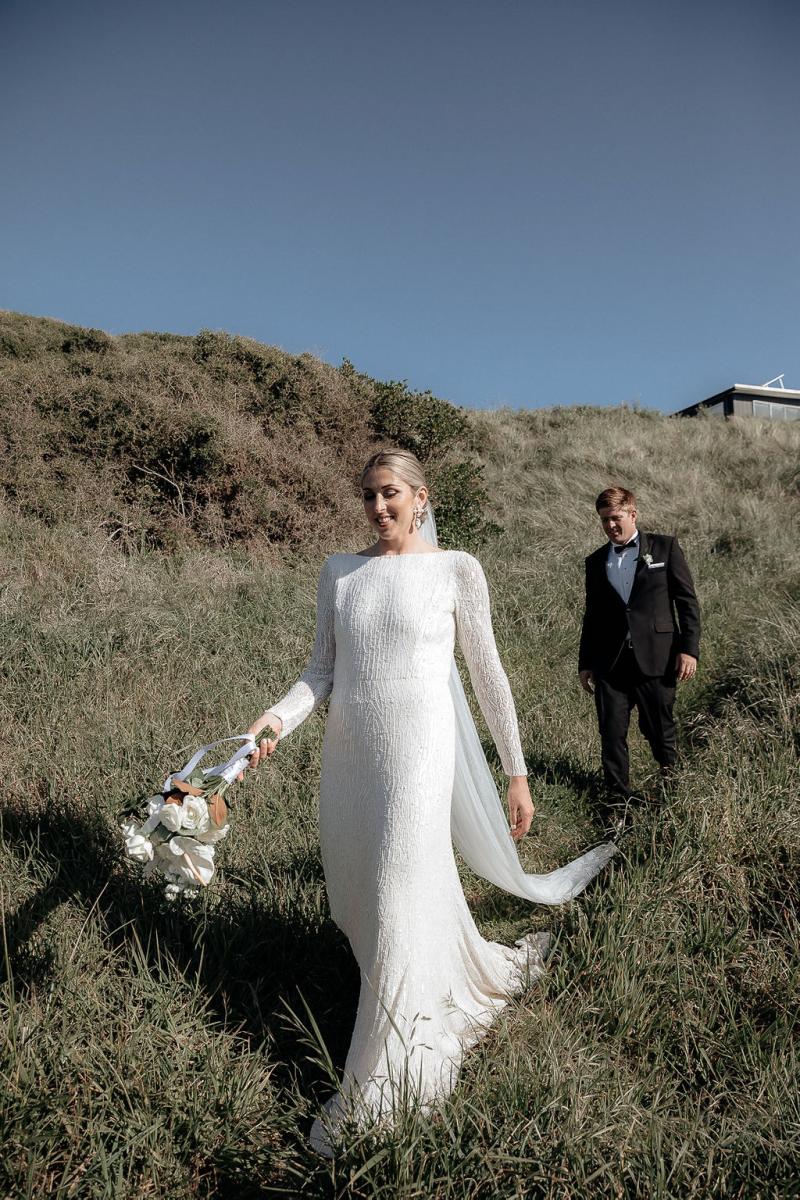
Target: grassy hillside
<point x="153" y="1050"/>
<point x="165" y="442"/>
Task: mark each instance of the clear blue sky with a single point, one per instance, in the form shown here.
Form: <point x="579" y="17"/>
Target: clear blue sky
<point x="521" y="203"/>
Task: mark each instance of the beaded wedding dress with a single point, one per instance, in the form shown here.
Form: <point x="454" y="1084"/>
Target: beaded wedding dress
<point x="430" y="984"/>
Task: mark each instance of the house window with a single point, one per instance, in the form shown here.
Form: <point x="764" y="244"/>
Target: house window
<point x="776" y="412"/>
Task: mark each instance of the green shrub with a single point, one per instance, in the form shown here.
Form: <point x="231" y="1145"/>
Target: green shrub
<point x="460" y="500"/>
<point x="417" y="421"/>
<point x="10" y="344"/>
<point x="190" y="446"/>
<point x="86" y="341"/>
<point x="214" y="439"/>
<point x="209" y="344"/>
<point x="439" y="434"/>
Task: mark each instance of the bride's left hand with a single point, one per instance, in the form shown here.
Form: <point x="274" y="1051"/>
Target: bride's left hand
<point x="520" y="806"/>
<point x="264" y="747"/>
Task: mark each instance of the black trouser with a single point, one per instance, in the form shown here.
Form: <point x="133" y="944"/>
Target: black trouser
<point x="615" y="695"/>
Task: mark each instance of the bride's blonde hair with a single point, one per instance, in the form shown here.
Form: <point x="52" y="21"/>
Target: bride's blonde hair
<point x="405" y="465"/>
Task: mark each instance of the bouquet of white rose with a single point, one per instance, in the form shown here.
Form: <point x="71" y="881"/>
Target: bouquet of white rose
<point x="186" y="820"/>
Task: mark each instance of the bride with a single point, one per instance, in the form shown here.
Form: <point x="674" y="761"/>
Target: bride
<point x="400" y="751"/>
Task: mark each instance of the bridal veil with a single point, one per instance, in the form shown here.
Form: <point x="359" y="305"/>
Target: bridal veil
<point x="478" y="822"/>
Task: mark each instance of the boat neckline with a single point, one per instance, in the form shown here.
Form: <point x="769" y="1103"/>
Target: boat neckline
<point x="410" y="554"/>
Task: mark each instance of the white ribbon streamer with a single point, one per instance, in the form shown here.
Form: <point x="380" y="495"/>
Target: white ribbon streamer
<point x="227" y="770"/>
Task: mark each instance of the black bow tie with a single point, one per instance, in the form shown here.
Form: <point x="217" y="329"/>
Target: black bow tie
<point x="627" y="546"/>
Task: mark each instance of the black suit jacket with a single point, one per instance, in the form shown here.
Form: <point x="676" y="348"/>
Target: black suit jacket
<point x="662" y="615"/>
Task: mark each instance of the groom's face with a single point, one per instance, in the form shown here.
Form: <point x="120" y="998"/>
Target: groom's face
<point x="619" y="524"/>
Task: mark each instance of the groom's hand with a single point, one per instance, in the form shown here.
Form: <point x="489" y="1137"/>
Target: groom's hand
<point x="685" y="667"/>
<point x="587" y="681"/>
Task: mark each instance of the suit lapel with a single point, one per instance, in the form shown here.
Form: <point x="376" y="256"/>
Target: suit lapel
<point x="641" y="566"/>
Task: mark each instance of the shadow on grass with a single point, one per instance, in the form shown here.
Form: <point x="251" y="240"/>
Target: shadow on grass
<point x="250" y="959"/>
<point x="558" y="769"/>
<point x="587" y="786"/>
<point x="550" y="768"/>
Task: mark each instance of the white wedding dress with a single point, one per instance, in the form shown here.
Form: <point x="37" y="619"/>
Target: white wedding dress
<point x="430" y="984"/>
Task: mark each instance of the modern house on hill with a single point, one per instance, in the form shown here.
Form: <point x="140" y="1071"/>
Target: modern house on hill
<point x="775" y="403"/>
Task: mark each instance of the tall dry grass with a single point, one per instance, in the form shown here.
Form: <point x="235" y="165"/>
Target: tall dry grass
<point x="153" y="1050"/>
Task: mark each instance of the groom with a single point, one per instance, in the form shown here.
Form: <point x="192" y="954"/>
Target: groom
<point x="640" y="637"/>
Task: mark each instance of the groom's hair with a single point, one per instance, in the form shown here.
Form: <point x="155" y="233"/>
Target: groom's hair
<point x="615" y="497"/>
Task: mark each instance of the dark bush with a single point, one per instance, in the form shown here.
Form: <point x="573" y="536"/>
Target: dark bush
<point x="460" y="499"/>
<point x="90" y="418"/>
<point x="440" y="435"/>
<point x="212" y="438"/>
<point x="190" y="447"/>
<point x="10" y="344"/>
<point x="88" y="341"/>
<point x="208" y="344"/>
<point x="418" y="421"/>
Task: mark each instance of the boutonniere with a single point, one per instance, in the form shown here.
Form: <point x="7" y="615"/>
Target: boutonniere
<point x="648" y="558"/>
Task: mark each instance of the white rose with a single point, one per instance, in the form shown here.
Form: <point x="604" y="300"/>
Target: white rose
<point x="161" y="861"/>
<point x="213" y="834"/>
<point x="195" y="815"/>
<point x="194" y="860"/>
<point x="167" y="864"/>
<point x="154" y="807"/>
<point x="137" y="846"/>
<point x="171" y="816"/>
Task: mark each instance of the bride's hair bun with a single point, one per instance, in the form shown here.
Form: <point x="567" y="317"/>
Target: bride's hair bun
<point x="405" y="465"/>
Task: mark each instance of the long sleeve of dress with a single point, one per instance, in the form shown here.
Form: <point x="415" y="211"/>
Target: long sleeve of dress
<point x="476" y="639"/>
<point x="316" y="682"/>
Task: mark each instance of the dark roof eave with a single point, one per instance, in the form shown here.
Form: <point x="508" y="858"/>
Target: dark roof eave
<point x="777" y="395"/>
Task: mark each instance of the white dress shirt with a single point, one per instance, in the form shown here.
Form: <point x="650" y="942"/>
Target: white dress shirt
<point x="621" y="568"/>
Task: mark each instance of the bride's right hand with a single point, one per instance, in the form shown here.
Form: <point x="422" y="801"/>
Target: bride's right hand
<point x="520" y="806"/>
<point x="265" y="747"/>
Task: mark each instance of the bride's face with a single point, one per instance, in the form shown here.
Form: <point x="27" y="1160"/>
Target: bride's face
<point x="389" y="502"/>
